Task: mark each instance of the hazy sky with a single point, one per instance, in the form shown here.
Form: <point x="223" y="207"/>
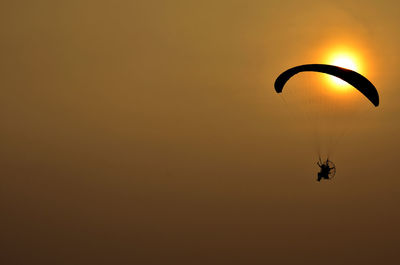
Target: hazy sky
<point x="149" y="132"/>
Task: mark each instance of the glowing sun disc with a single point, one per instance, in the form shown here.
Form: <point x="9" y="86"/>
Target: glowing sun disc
<point x="346" y="61"/>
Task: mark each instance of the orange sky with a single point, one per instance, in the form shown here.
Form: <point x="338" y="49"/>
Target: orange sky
<point x="149" y="132"/>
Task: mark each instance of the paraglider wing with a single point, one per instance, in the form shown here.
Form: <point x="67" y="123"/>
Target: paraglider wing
<point x="358" y="81"/>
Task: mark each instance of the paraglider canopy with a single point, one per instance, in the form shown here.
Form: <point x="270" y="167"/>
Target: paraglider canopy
<point x="355" y="79"/>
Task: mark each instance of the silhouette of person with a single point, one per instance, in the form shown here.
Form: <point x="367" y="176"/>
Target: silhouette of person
<point x="325" y="170"/>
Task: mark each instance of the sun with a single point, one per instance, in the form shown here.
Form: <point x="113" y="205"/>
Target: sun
<point x="346" y="60"/>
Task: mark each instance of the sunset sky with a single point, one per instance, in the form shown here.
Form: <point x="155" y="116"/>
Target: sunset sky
<point x="149" y="132"/>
